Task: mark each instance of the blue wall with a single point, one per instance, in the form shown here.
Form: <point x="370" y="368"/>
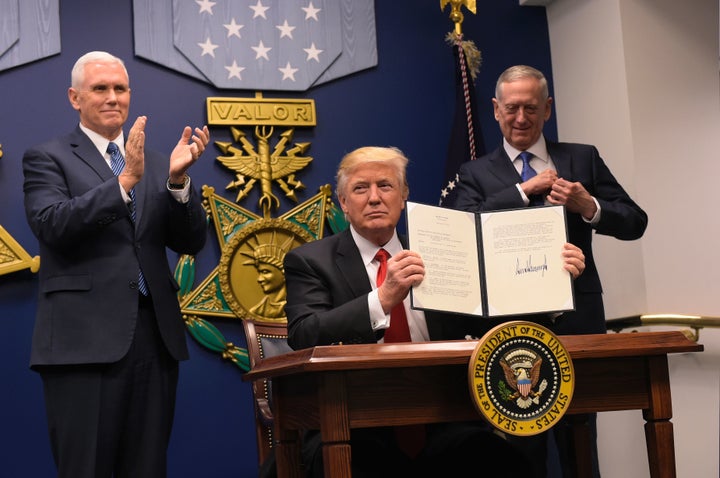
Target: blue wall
<point x="406" y="101"/>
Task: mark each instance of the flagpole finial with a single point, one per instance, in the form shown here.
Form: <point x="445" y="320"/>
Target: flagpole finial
<point x="456" y="14"/>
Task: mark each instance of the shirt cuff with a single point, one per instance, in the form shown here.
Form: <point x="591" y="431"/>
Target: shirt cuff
<point x="524" y="197"/>
<point x="379" y="320"/>
<point x="180" y="195"/>
<point x="596" y="218"/>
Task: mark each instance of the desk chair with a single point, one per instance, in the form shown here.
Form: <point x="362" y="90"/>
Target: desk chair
<point x="264" y="339"/>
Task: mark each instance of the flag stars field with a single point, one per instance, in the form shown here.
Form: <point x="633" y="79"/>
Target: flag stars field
<point x="241" y="44"/>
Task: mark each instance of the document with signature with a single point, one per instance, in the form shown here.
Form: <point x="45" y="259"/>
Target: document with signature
<point x="490" y="264"/>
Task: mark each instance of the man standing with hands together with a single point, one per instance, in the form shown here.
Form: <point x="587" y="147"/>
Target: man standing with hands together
<point x="527" y="170"/>
<point x="108" y="333"/>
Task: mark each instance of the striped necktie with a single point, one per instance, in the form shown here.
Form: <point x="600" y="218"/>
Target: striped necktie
<point x="117" y="164"/>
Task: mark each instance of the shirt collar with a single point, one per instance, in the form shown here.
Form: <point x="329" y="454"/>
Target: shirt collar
<point x="368" y="249"/>
<point x="539" y="149"/>
<point x="101" y="143"/>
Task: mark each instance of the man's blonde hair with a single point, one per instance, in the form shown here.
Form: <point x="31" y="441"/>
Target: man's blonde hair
<point x="390" y="156"/>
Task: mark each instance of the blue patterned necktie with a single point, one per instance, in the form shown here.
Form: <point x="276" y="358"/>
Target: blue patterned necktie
<point x="117" y="164"/>
<point x="527" y="173"/>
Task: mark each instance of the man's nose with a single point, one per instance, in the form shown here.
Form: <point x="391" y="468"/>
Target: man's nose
<point x="374" y="193"/>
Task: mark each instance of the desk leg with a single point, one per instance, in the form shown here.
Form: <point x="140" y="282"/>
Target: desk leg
<point x="287" y="454"/>
<point x="335" y="426"/>
<point x="582" y="440"/>
<point x="658" y="427"/>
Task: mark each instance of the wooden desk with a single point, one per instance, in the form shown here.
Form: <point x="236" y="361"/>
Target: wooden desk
<point x="336" y="388"/>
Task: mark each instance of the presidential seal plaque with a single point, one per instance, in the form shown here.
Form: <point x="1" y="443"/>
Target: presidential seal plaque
<point x="521" y="378"/>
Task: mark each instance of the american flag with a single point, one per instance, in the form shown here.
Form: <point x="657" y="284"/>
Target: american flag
<point x="259" y="44"/>
<point x="466" y="142"/>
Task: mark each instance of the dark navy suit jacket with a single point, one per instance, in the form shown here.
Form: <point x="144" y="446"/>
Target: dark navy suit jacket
<point x="91" y="251"/>
<point x="489" y="183"/>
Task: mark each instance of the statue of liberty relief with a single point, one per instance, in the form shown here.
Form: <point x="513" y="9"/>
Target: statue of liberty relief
<point x="268" y="259"/>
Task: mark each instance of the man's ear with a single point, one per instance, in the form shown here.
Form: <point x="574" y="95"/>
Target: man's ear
<point x="341" y="200"/>
<point x="548" y="108"/>
<point x="72" y="97"/>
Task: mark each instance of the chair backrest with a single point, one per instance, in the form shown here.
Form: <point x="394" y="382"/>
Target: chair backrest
<point x="264" y="339"/>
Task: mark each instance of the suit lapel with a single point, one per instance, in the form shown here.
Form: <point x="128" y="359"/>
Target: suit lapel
<point x="561" y="159"/>
<point x="89" y="154"/>
<point x="350" y="265"/>
<point x="84" y="149"/>
<point x="502" y="167"/>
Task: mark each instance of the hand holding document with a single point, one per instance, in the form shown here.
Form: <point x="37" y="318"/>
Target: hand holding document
<point x="490" y="264"/>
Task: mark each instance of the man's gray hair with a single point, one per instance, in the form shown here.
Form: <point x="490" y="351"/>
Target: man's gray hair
<point x="519" y="72"/>
<point x="77" y="76"/>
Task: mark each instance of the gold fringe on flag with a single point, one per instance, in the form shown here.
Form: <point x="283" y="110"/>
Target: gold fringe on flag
<point x="472" y="54"/>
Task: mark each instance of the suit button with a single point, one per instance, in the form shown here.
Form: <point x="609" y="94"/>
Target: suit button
<point x="133" y="284"/>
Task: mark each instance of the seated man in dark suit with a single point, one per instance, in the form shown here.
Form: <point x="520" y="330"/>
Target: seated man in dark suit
<point x="334" y="295"/>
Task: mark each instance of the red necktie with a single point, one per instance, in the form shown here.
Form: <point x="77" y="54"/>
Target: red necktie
<point x="399" y="331"/>
<point x="410" y="438"/>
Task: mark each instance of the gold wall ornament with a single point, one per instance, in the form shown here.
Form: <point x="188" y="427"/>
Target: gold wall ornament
<point x="264" y="166"/>
<point x="1" y="151"/>
<point x="249" y="281"/>
<point x="252" y="277"/>
<point x="13" y="257"/>
<point x="253" y="164"/>
<point x="232" y="290"/>
<point x="260" y="111"/>
<point x="456" y="14"/>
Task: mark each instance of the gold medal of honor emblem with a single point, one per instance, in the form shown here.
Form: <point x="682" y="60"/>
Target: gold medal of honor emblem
<point x="521" y="378"/>
<point x="252" y="276"/>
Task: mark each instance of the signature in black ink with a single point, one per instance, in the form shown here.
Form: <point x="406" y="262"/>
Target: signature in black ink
<point x="530" y="268"/>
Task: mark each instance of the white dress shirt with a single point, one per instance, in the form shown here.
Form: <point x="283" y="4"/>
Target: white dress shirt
<point x="378" y="318"/>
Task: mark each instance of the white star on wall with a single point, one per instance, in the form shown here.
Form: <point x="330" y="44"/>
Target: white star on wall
<point x="261" y="51"/>
<point x="313" y="53"/>
<point x="205" y="6"/>
<point x="285" y="30"/>
<point x="288" y="72"/>
<point x="233" y="29"/>
<point x="208" y="48"/>
<point x="259" y="10"/>
<point x="311" y="12"/>
<point x="234" y="70"/>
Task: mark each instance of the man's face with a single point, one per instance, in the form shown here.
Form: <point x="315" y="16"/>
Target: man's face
<point x="103" y="99"/>
<point x="373" y="200"/>
<point x="521" y="112"/>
